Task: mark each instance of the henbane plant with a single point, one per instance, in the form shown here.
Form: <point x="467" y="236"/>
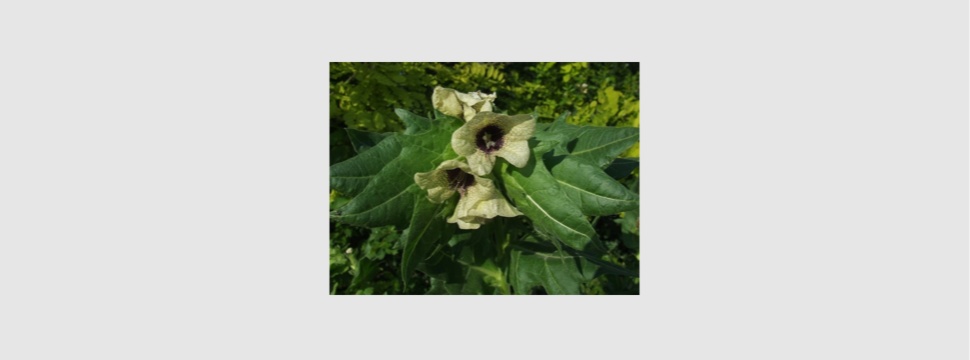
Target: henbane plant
<point x="491" y="202"/>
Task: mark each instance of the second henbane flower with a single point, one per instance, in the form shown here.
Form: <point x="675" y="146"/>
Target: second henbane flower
<point x="479" y="199"/>
<point x="489" y="135"/>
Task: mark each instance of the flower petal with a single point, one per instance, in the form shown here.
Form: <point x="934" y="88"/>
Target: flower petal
<point x="487" y="106"/>
<point x="467" y="223"/>
<point x="446" y="101"/>
<point x="485" y="201"/>
<point x="515" y="152"/>
<point x="436" y="182"/>
<point x="453" y="164"/>
<point x="462" y="218"/>
<point x="429" y="180"/>
<point x="480" y="163"/>
<point x="463" y="139"/>
<point x="469" y="112"/>
<point x="475" y="102"/>
<point x="517" y="127"/>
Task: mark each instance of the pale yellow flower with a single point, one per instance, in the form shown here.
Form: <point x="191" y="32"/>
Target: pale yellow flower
<point x="479" y="199"/>
<point x="489" y="135"/>
<point x="461" y="105"/>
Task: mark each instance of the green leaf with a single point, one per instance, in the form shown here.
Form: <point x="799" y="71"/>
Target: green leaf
<point x="622" y="167"/>
<point x="630" y="222"/>
<point x="469" y="262"/>
<point x="450" y="277"/>
<point x="555" y="270"/>
<point x="427" y="229"/>
<point x="413" y="122"/>
<point x="363" y="140"/>
<point x="630" y="229"/>
<point x="590" y="188"/>
<point x="385" y="198"/>
<point x="350" y="177"/>
<point x="535" y="192"/>
<point x="365" y="271"/>
<point x="558" y="271"/>
<point x="598" y="144"/>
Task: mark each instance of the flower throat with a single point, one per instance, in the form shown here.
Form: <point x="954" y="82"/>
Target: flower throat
<point x="489" y="139"/>
<point x="460" y="180"/>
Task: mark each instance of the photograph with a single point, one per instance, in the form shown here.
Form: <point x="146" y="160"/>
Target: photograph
<point x="484" y="178"/>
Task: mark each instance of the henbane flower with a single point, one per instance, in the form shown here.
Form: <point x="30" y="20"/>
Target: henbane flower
<point x="489" y="135"/>
<point x="479" y="199"/>
<point x="461" y="105"/>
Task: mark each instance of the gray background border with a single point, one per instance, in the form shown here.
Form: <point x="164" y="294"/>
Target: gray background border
<point x="805" y="180"/>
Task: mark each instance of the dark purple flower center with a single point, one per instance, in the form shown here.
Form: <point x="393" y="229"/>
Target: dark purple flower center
<point x="489" y="139"/>
<point x="460" y="180"/>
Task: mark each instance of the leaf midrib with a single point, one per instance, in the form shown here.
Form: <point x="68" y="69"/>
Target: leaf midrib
<point x="424" y="230"/>
<point x="605" y="145"/>
<point x="381" y="204"/>
<point x="543" y="210"/>
<point x="594" y="194"/>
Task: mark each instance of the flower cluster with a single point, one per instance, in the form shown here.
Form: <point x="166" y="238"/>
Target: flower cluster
<point x="485" y="136"/>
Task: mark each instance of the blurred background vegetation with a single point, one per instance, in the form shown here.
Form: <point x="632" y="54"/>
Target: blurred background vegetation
<point x="363" y="97"/>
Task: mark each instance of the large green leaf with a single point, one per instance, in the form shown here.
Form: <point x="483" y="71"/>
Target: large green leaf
<point x="598" y="144"/>
<point x="388" y="196"/>
<point x="535" y="192"/>
<point x="385" y="199"/>
<point x="363" y="140"/>
<point x="427" y="229"/>
<point x="590" y="188"/>
<point x="350" y="177"/>
<point x="413" y="122"/>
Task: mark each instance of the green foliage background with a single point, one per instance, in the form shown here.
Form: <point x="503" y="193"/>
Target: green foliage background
<point x="363" y="97"/>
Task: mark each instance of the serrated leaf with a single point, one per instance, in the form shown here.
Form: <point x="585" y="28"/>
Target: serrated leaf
<point x="590" y="188"/>
<point x="413" y="123"/>
<point x="562" y="117"/>
<point x="363" y="140"/>
<point x="350" y="177"/>
<point x="388" y="193"/>
<point x="535" y="193"/>
<point x="598" y="144"/>
<point x="381" y="201"/>
<point x="427" y="229"/>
